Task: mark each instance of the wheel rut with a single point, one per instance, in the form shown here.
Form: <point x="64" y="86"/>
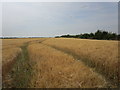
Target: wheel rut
<point x="22" y="71"/>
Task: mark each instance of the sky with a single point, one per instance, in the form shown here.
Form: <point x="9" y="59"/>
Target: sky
<point x="49" y="19"/>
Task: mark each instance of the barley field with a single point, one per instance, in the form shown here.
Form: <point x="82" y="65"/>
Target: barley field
<point x="59" y="63"/>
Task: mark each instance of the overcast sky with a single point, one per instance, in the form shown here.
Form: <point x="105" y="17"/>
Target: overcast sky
<point x="47" y="19"/>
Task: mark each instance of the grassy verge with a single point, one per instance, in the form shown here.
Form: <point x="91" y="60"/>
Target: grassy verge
<point x="22" y="70"/>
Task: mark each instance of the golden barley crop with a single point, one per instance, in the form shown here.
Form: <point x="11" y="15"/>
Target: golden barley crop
<point x="11" y="49"/>
<point x="102" y="54"/>
<point x="59" y="63"/>
<point x="55" y="69"/>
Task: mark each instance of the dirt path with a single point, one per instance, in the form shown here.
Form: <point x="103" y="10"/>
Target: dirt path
<point x="21" y="70"/>
<point x="20" y="74"/>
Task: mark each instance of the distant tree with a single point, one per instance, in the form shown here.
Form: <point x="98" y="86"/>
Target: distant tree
<point x="99" y="34"/>
<point x="86" y="36"/>
<point x="113" y="36"/>
<point x="91" y="35"/>
<point x="77" y="36"/>
<point x="57" y="36"/>
<point x="66" y="35"/>
<point x="104" y="35"/>
<point x="118" y="37"/>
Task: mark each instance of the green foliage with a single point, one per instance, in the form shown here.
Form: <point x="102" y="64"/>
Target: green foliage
<point x="99" y="34"/>
<point x="22" y="70"/>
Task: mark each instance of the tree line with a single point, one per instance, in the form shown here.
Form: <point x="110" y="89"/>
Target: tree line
<point x="99" y="34"/>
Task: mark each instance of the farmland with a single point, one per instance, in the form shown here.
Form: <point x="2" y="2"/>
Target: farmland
<point x="59" y="63"/>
